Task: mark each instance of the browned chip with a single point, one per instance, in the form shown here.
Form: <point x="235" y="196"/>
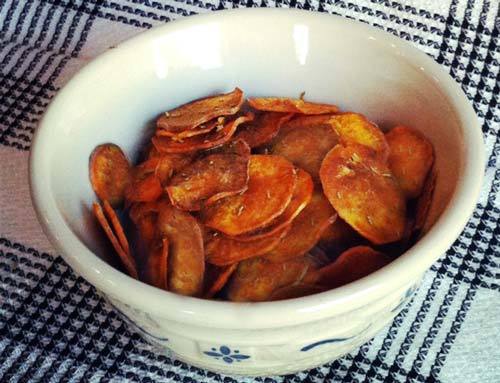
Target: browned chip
<point x="193" y="114"/>
<point x="410" y="158"/>
<point x="301" y="196"/>
<point x="186" y="255"/>
<point x="356" y="128"/>
<point x="236" y="146"/>
<point x="296" y="291"/>
<point x="350" y="266"/>
<point x="217" y="278"/>
<point x="126" y="258"/>
<point x="201" y="129"/>
<point x="270" y="189"/>
<point x="339" y="236"/>
<point x="144" y="190"/>
<point x="222" y="250"/>
<point x="156" y="267"/>
<point x="363" y="191"/>
<point x="305" y="141"/>
<point x="210" y="140"/>
<point x="256" y="279"/>
<point x="306" y="230"/>
<point x="109" y="173"/>
<point x="263" y="129"/>
<point x="209" y="179"/>
<point x="117" y="226"/>
<point x="290" y="105"/>
<point x="424" y="202"/>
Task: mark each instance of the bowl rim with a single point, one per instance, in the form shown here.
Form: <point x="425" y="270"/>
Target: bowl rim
<point x="403" y="271"/>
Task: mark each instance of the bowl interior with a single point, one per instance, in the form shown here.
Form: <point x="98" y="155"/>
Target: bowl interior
<point x="117" y="97"/>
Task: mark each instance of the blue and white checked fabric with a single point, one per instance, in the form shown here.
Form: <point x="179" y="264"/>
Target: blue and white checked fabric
<point x="53" y="326"/>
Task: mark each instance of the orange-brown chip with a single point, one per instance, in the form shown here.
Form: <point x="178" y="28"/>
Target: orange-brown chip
<point x="339" y="236"/>
<point x="193" y="114"/>
<point x="235" y="146"/>
<point x="424" y="203"/>
<point x="256" y="279"/>
<point x="290" y="105"/>
<point x="145" y="189"/>
<point x="350" y="266"/>
<point x="263" y="129"/>
<point x="306" y="230"/>
<point x="208" y="179"/>
<point x="116" y="225"/>
<point x="363" y="191"/>
<point x="296" y="291"/>
<point x="216" y="278"/>
<point x="156" y="267"/>
<point x="411" y="157"/>
<point x="210" y="140"/>
<point x="356" y="128"/>
<point x="109" y="173"/>
<point x="126" y="258"/>
<point x="270" y="189"/>
<point x="301" y="196"/>
<point x="201" y="129"/>
<point x="222" y="250"/>
<point x="305" y="141"/>
<point x="186" y="255"/>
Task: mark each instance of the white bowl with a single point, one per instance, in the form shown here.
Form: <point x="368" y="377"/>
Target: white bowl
<point x="264" y="52"/>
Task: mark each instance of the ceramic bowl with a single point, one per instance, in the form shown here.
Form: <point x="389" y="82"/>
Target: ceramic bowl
<point x="264" y="52"/>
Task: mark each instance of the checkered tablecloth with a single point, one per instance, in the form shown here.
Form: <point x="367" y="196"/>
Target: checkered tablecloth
<point x="53" y="326"/>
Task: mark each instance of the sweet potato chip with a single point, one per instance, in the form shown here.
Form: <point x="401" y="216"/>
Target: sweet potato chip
<point x="210" y="140"/>
<point x="301" y="196"/>
<point x="363" y="191"/>
<point x="109" y="173"/>
<point x="306" y="230"/>
<point x="263" y="129"/>
<point x="209" y="179"/>
<point x="186" y="255"/>
<point x="356" y="128"/>
<point x="256" y="279"/>
<point x="156" y="268"/>
<point x="116" y="225"/>
<point x="126" y="258"/>
<point x="201" y="129"/>
<point x="222" y="250"/>
<point x="290" y="105"/>
<point x="411" y="157"/>
<point x="339" y="236"/>
<point x="305" y="141"/>
<point x="236" y="146"/>
<point x="193" y="114"/>
<point x="217" y="278"/>
<point x="351" y="265"/>
<point x="270" y="189"/>
<point x="144" y="189"/>
<point x="296" y="291"/>
<point x="424" y="202"/>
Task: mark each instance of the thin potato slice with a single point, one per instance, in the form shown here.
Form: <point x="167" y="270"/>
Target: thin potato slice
<point x="301" y="196"/>
<point x="306" y="230"/>
<point x="270" y="189"/>
<point x="201" y="129"/>
<point x="109" y="173"/>
<point x="222" y="250"/>
<point x="186" y="256"/>
<point x="363" y="191"/>
<point x="144" y="189"/>
<point x="193" y="114"/>
<point x="111" y="216"/>
<point x="218" y="280"/>
<point x="256" y="279"/>
<point x="296" y="291"/>
<point x="356" y="128"/>
<point x="339" y="236"/>
<point x="156" y="268"/>
<point x="263" y="129"/>
<point x="351" y="265"/>
<point x="290" y="105"/>
<point x="305" y="141"/>
<point x="210" y="140"/>
<point x="423" y="205"/>
<point x="126" y="258"/>
<point x="236" y="146"/>
<point x="209" y="179"/>
<point x="411" y="157"/>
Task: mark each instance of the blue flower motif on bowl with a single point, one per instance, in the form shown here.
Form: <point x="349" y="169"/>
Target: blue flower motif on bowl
<point x="226" y="354"/>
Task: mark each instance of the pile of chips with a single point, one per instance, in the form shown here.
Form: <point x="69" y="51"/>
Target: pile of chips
<point x="263" y="199"/>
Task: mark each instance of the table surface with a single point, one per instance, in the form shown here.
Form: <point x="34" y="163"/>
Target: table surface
<point x="53" y="326"/>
